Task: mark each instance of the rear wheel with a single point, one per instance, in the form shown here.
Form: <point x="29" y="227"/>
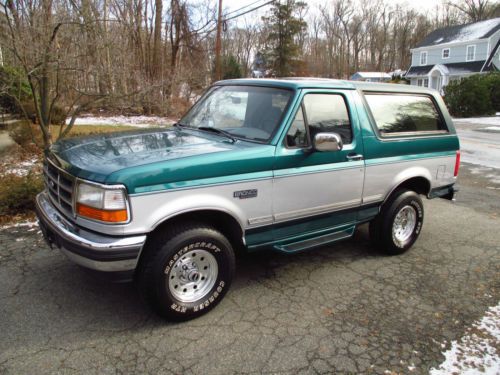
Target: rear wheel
<point x="186" y="271"/>
<point x="399" y="223"/>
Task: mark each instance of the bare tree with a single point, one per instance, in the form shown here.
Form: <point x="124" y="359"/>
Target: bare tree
<point x="478" y="10"/>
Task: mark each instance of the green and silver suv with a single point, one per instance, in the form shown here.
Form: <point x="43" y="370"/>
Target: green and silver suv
<point x="283" y="165"/>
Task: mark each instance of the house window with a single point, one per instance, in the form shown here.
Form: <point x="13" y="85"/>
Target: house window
<point x="446" y="53"/>
<point x="471" y="53"/>
<point x="426" y="82"/>
<point x="419" y="82"/>
<point x="423" y="58"/>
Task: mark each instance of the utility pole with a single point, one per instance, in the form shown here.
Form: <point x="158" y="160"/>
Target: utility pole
<point x="218" y="44"/>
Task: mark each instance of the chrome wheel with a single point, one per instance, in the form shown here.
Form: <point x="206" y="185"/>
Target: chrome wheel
<point x="193" y="275"/>
<point x="404" y="224"/>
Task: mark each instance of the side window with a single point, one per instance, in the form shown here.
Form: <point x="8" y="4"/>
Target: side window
<point x="328" y="113"/>
<point x="396" y="114"/>
<point x="297" y="135"/>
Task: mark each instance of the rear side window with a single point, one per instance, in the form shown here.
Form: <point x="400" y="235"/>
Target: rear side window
<point x="398" y="114"/>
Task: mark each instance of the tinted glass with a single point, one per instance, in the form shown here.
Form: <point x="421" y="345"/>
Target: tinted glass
<point x="246" y="112"/>
<point x="328" y="113"/>
<point x="297" y="135"/>
<point x="404" y="113"/>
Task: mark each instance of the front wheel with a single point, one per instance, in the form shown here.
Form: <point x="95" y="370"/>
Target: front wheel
<point x="186" y="271"/>
<point x="399" y="223"/>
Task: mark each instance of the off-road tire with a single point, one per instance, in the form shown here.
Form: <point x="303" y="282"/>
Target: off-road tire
<point x="382" y="228"/>
<point x="164" y="251"/>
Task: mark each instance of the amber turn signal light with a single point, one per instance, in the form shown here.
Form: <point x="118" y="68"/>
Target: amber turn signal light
<point x="110" y="216"/>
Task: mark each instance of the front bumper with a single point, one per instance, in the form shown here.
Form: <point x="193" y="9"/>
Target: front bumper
<point x="88" y="249"/>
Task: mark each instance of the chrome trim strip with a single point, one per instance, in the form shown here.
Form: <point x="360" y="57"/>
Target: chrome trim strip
<point x="369" y="162"/>
<point x="312" y="171"/>
<point x="373" y="198"/>
<point x="285" y="216"/>
<point x="260" y="220"/>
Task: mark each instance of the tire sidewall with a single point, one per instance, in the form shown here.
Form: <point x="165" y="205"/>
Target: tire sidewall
<point x="406" y="198"/>
<point x="210" y="241"/>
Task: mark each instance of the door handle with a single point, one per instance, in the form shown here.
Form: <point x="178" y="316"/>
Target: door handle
<point x="354" y="157"/>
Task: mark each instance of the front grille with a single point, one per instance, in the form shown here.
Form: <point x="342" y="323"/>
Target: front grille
<point x="59" y="185"/>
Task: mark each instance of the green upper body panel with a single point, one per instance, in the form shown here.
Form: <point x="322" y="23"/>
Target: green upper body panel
<point x="159" y="159"/>
<point x="153" y="160"/>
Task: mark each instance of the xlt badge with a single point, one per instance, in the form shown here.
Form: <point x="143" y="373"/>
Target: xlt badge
<point x="244" y="194"/>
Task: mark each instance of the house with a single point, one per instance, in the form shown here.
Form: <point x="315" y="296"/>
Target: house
<point x="455" y="52"/>
<point x="371" y="77"/>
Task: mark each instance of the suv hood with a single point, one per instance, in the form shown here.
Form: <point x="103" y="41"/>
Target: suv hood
<point x="146" y="157"/>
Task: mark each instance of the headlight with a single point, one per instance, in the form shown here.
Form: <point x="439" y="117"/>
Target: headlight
<point x="108" y="204"/>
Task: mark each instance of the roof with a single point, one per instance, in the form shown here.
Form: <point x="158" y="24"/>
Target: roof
<point x="452" y="68"/>
<point x="373" y="75"/>
<point x="461" y="33"/>
<point x="322" y="83"/>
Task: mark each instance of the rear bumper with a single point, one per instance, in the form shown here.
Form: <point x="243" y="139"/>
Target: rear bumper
<point x="445" y="192"/>
<point x="88" y="249"/>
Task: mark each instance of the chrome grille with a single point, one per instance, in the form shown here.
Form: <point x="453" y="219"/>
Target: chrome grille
<point x="59" y="186"/>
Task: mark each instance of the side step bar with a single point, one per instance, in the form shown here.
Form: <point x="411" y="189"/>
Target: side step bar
<point x="316" y="241"/>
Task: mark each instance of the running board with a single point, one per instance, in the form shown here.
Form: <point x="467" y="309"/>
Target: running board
<point x="316" y="241"/>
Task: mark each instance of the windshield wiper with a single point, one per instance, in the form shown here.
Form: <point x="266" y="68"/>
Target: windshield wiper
<point x="218" y="131"/>
<point x="179" y="125"/>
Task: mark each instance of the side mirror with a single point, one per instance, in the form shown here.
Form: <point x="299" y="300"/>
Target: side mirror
<point x="327" y="142"/>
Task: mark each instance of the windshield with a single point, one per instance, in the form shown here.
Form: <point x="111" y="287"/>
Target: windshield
<point x="246" y="112"/>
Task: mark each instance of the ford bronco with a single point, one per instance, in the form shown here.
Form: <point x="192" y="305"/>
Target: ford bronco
<point x="286" y="165"/>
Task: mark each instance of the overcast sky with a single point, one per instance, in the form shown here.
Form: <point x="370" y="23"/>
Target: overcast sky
<point x="231" y="5"/>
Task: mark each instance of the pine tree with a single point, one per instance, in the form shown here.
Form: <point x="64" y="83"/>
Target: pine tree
<point x="284" y="26"/>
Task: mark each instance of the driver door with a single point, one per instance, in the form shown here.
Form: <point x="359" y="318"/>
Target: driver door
<point x="315" y="191"/>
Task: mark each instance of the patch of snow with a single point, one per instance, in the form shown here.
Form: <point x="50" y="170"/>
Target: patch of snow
<point x="494" y="120"/>
<point x="21" y="168"/>
<point x="493" y="128"/>
<point x="474" y="31"/>
<point x="477" y="351"/>
<point x="136" y="121"/>
<point x="29" y="224"/>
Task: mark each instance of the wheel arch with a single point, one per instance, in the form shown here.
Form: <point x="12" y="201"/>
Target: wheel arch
<point x="419" y="184"/>
<point x="221" y="220"/>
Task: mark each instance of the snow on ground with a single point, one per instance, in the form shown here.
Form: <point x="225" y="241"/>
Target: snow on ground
<point x="19" y="168"/>
<point x="478" y="352"/>
<point x="480" y="140"/>
<point x="32" y="225"/>
<point x="494" y="120"/>
<point x="493" y="128"/>
<point x="137" y="121"/>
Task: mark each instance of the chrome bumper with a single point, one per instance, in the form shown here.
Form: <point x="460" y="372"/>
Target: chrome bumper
<point x="88" y="249"/>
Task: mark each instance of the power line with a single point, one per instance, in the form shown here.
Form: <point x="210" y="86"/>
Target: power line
<point x="243" y="7"/>
<point x="248" y="11"/>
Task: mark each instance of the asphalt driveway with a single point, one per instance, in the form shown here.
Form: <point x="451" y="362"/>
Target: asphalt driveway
<point x="341" y="308"/>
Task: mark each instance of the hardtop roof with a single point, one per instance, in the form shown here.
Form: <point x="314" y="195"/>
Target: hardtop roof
<point x="296" y="83"/>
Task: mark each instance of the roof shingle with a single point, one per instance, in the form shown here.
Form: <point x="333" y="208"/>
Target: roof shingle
<point x="461" y="33"/>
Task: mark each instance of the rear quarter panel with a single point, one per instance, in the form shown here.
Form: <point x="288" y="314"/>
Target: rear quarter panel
<point x="391" y="161"/>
